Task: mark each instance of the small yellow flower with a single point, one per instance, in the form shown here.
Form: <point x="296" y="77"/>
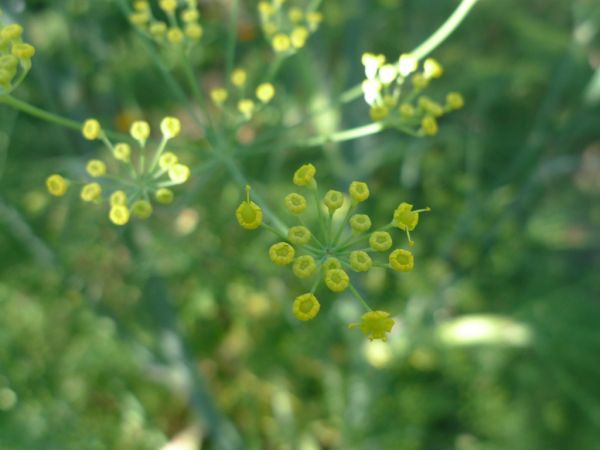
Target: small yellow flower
<point x="388" y="73"/>
<point x="407" y="64"/>
<point x="299" y="36"/>
<point x="282" y="253"/>
<point x="23" y="51"/>
<point x="299" y="235"/>
<point x="119" y="214"/>
<point x="378" y="113"/>
<point x="190" y="15"/>
<point x="295" y="14"/>
<point x="91" y="129"/>
<point x="142" y="209"/>
<point x="454" y="100"/>
<point x="158" y="28"/>
<point x="402" y="260"/>
<point x="359" y="191"/>
<point x="419" y="81"/>
<point x="266" y="8"/>
<point x="246" y="107"/>
<point x="429" y="125"/>
<point x="9" y="62"/>
<point x="304" y="266"/>
<point x="6" y="75"/>
<point x="170" y="127"/>
<point x="407" y="219"/>
<point x="434" y="108"/>
<point x="281" y="42"/>
<point x="306" y="307"/>
<point x="139" y="18"/>
<point x="360" y="223"/>
<point x="218" y="95"/>
<point x="295" y="203"/>
<point x="168" y="5"/>
<point x="118" y="198"/>
<point x="238" y="77"/>
<point x="390" y="101"/>
<point x="314" y="19"/>
<point x="407" y="110"/>
<point x="91" y="192"/>
<point x="270" y="28"/>
<point x="96" y="168"/>
<point x="194" y="31"/>
<point x="140" y="131"/>
<point x="57" y="185"/>
<point x="164" y="196"/>
<point x="141" y="5"/>
<point x="432" y="68"/>
<point x="337" y="280"/>
<point x="377" y="323"/>
<point x="179" y="173"/>
<point x="248" y="214"/>
<point x="265" y="92"/>
<point x="331" y="264"/>
<point x="372" y="63"/>
<point x="333" y="200"/>
<point x="123" y="152"/>
<point x="175" y="35"/>
<point x="360" y="261"/>
<point x="305" y="175"/>
<point x="380" y="241"/>
<point x="13" y="31"/>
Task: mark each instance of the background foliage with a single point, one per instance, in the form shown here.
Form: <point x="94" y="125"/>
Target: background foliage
<point x="125" y="338"/>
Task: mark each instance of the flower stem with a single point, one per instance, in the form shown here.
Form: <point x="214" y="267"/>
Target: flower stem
<point x="274" y="231"/>
<point x="316" y="283"/>
<point x="360" y="299"/>
<point x="316" y="195"/>
<point x="343" y="225"/>
<point x="365" y="238"/>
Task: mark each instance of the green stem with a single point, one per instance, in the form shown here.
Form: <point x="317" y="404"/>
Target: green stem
<point x="330" y="228"/>
<point x="161" y="149"/>
<point x="274" y="231"/>
<point x="360" y="299"/>
<point x="340" y="136"/>
<point x="316" y="283"/>
<point x="230" y="50"/>
<point x="385" y="266"/>
<point x="316" y="196"/>
<point x="312" y="236"/>
<point x="343" y="225"/>
<point x="444" y="31"/>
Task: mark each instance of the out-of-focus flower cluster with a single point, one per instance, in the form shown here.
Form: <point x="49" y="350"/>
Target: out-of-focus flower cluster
<point x="179" y="30"/>
<point x="399" y="104"/>
<point x="15" y="57"/>
<point x="129" y="194"/>
<point x="328" y="256"/>
<point x="286" y="27"/>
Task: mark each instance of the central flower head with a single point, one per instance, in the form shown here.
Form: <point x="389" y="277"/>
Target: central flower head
<point x="337" y="280"/>
<point x="405" y="218"/>
<point x="377" y="323"/>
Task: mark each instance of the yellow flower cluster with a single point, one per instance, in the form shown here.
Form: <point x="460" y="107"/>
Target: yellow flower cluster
<point x="329" y="256"/>
<point x="177" y="31"/>
<point x="129" y="195"/>
<point x="15" y="57"/>
<point x="246" y="107"/>
<point x="404" y="108"/>
<point x="286" y="27"/>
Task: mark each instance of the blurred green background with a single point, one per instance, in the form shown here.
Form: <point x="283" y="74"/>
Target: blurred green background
<point x="179" y="329"/>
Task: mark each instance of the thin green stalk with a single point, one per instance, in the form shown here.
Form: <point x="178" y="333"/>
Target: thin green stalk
<point x="343" y="225"/>
<point x="367" y="250"/>
<point x="385" y="266"/>
<point x="312" y="236"/>
<point x="316" y="283"/>
<point x="360" y="299"/>
<point x="444" y="31"/>
<point x="274" y="231"/>
<point x="330" y="228"/>
<point x="159" y="151"/>
<point x="230" y="50"/>
<point x="316" y="196"/>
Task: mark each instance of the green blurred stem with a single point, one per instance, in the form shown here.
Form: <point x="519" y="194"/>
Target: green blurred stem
<point x="343" y="225"/>
<point x="316" y="196"/>
<point x="230" y="51"/>
<point x="330" y="228"/>
<point x="312" y="236"/>
<point x="316" y="283"/>
<point x="445" y="30"/>
<point x="346" y="135"/>
<point x="360" y="299"/>
<point x="161" y="148"/>
<point x="274" y="231"/>
<point x="40" y="113"/>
